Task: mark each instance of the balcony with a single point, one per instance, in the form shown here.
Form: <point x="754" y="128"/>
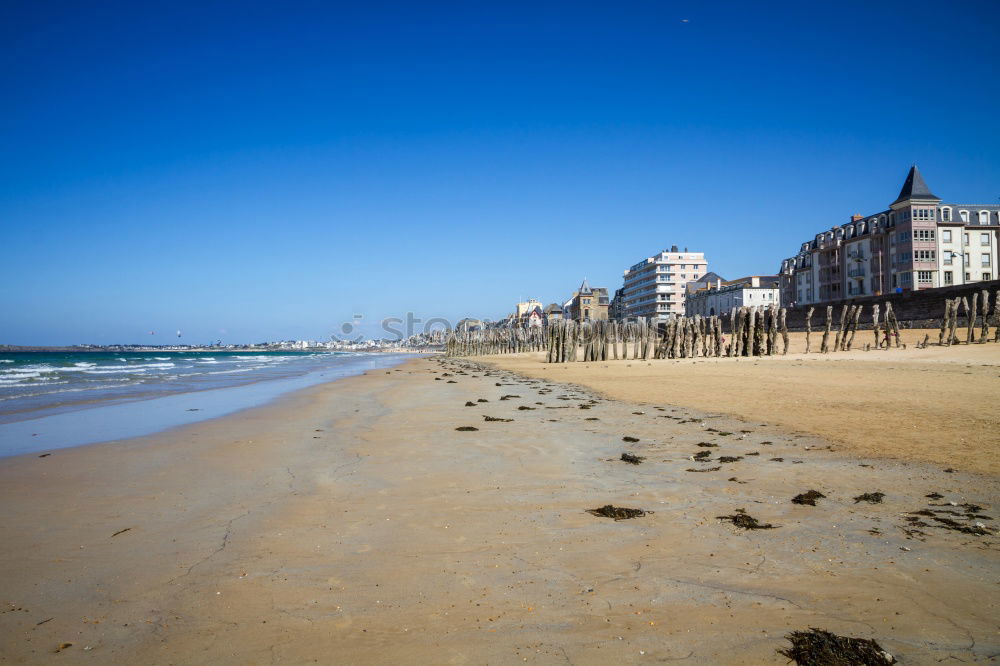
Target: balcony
<point x="858" y="272"/>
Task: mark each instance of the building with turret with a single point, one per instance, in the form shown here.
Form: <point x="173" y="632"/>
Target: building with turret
<point x="588" y="303"/>
<point x="918" y="242"/>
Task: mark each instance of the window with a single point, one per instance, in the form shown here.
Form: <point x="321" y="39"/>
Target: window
<point x="946" y="214"/>
<point x="947" y="258"/>
<point x="924" y="255"/>
<point x="948" y="279"/>
<point x="965" y="239"/>
<point x="985" y="259"/>
<point x="923" y="234"/>
<point x="966" y="258"/>
<point x="946" y="235"/>
<point x="925" y="276"/>
<point x="984" y="217"/>
<point x="984" y="239"/>
<point x="987" y="276"/>
<point x="968" y="277"/>
<point x="964" y="215"/>
<point x="923" y="214"/>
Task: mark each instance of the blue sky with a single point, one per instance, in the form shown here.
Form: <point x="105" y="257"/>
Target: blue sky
<point x="262" y="171"/>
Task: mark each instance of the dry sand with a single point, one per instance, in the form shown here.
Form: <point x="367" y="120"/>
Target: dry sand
<point x="351" y="523"/>
<point x="938" y="404"/>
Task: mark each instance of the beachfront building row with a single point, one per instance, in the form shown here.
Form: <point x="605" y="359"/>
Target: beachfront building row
<point x="656" y="287"/>
<point x="721" y="296"/>
<point x="919" y="242"/>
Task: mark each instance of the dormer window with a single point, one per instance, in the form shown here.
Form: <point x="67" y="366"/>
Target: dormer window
<point x="946" y="214"/>
<point x="984" y="217"/>
<point x="964" y="215"/>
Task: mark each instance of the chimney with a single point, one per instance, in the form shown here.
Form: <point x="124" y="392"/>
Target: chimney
<point x="685" y="249"/>
<point x="857" y="218"/>
<point x="673" y="248"/>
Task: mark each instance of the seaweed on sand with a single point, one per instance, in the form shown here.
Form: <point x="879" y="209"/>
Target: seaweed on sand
<point x="702" y="455"/>
<point x="871" y="498"/>
<point x="821" y="648"/>
<point x="703" y="469"/>
<point x="809" y="497"/>
<point x="707" y="445"/>
<point x="497" y="419"/>
<point x="631" y="458"/>
<point x="744" y="520"/>
<point x="730" y="459"/>
<point x="626" y="438"/>
<point x="469" y="403"/>
<point x="617" y="512"/>
<point x="508" y="397"/>
<point x="466" y="429"/>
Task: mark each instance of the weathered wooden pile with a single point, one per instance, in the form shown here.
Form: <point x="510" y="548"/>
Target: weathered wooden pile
<point x="753" y="331"/>
<point x="499" y="340"/>
<point x="980" y="307"/>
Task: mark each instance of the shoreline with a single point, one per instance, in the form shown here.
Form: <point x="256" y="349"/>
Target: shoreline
<point x="85" y="423"/>
<point x="351" y="518"/>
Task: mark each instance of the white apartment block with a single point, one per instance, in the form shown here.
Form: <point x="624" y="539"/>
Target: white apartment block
<point x="722" y="296"/>
<point x="656" y="287"/>
<point x="920" y="242"/>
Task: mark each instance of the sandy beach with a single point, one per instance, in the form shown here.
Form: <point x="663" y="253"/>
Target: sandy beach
<point x="934" y="405"/>
<point x="351" y="522"/>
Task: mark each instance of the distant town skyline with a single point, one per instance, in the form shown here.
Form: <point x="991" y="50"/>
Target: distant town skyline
<point x="261" y="172"/>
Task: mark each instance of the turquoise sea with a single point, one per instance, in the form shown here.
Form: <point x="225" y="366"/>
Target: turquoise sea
<point x="59" y="399"/>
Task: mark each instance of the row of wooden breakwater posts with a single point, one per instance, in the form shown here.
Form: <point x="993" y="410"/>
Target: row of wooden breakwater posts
<point x="753" y="331"/>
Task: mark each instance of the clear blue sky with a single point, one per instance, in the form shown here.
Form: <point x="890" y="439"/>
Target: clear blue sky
<point x="260" y="171"/>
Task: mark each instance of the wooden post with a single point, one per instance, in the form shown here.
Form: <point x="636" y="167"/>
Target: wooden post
<point x="840" y="329"/>
<point x="809" y="316"/>
<point x="970" y="335"/>
<point x="824" y="346"/>
<point x="854" y="326"/>
<point x="953" y="323"/>
<point x="985" y="331"/>
<point x="783" y="323"/>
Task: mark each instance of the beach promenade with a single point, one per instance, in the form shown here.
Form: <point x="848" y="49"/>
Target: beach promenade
<point x="351" y="522"/>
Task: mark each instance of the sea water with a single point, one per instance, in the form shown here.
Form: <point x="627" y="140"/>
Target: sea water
<point x="60" y="399"/>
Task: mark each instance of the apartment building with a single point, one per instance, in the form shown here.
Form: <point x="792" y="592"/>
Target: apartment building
<point x="722" y="296"/>
<point x="919" y="242"/>
<point x="656" y="287"/>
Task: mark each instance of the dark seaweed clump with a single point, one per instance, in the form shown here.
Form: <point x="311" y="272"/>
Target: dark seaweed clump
<point x="808" y="497"/>
<point x="704" y="469"/>
<point x="730" y="459"/>
<point x="497" y="418"/>
<point x="821" y="648"/>
<point x="626" y="438"/>
<point x="702" y="455"/>
<point x="466" y="429"/>
<point x="633" y="459"/>
<point x="871" y="498"/>
<point x="617" y="512"/>
<point x="744" y="520"/>
<point x="707" y="445"/>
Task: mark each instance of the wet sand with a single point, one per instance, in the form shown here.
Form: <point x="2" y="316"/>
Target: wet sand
<point x="935" y="405"/>
<point x="351" y="523"/>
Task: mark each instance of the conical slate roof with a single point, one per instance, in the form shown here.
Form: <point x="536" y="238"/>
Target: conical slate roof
<point x="585" y="287"/>
<point x="915" y="188"/>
